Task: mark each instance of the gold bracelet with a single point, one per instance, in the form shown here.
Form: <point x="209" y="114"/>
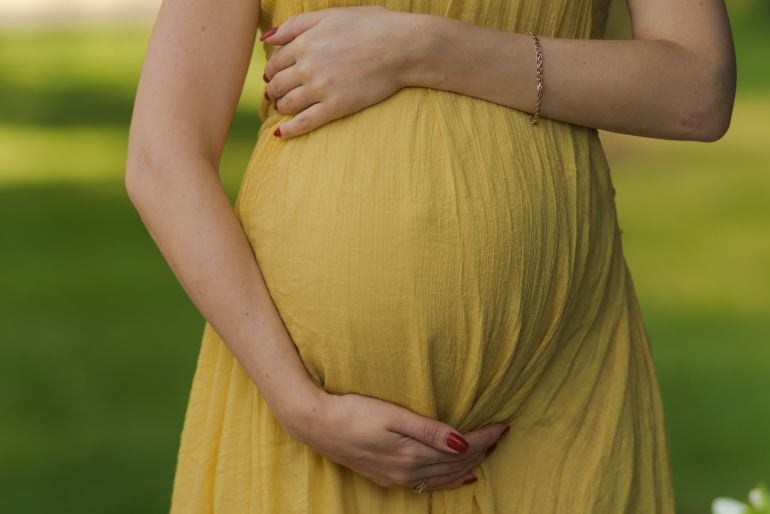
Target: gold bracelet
<point x="539" y="61"/>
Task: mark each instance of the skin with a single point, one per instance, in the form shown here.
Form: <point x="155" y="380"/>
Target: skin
<point x="674" y="80"/>
<point x="192" y="78"/>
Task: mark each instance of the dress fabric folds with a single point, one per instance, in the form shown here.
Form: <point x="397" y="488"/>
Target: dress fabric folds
<point x="437" y="251"/>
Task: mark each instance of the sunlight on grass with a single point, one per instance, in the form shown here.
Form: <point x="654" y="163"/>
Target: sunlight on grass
<point x="71" y="94"/>
<point x="36" y="154"/>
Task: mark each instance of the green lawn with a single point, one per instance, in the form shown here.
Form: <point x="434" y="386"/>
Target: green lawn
<point x="98" y="340"/>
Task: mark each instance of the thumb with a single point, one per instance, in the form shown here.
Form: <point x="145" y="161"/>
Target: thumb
<point x="431" y="432"/>
<point x="294" y="25"/>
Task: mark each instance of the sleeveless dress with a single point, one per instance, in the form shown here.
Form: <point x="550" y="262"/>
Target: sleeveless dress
<point x="437" y="251"/>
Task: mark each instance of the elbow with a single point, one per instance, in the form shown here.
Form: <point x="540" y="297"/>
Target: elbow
<point x="145" y="175"/>
<point x="710" y="106"/>
<point x="711" y="124"/>
<point x="146" y="169"/>
<point x="136" y="170"/>
<point x="707" y="127"/>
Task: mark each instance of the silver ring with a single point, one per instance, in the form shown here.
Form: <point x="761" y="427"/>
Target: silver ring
<point x="421" y="486"/>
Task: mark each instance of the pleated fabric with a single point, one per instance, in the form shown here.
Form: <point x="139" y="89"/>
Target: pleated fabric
<point x="437" y="251"/>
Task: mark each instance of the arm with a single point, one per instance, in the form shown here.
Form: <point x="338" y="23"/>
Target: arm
<point x="674" y="80"/>
<point x="191" y="81"/>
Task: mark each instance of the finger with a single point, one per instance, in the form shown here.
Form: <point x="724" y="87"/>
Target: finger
<point x="451" y="469"/>
<point x="304" y="122"/>
<point x="485" y="436"/>
<point x="429" y="431"/>
<point x="479" y="441"/>
<point x="296" y="100"/>
<point x="281" y="59"/>
<point x="466" y="479"/>
<point x="282" y="83"/>
<point x="294" y="25"/>
<point x="454" y="478"/>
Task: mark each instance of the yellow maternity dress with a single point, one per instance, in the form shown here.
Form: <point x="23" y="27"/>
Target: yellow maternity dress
<point x="437" y="251"/>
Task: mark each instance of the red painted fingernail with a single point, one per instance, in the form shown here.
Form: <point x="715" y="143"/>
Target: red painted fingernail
<point x="502" y="434"/>
<point x="264" y="77"/>
<point x="267" y="97"/>
<point x="490" y="449"/>
<point x="268" y="33"/>
<point x="276" y="104"/>
<point x="277" y="132"/>
<point x="470" y="480"/>
<point x="456" y="442"/>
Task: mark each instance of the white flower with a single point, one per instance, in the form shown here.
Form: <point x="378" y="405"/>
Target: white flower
<point x="727" y="506"/>
<point x="758" y="499"/>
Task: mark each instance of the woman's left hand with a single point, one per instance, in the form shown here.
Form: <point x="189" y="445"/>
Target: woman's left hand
<point x="336" y="61"/>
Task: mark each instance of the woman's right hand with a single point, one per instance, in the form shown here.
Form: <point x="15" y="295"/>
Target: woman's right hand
<point x="390" y="444"/>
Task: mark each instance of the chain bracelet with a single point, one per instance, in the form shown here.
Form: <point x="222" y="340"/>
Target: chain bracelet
<point x="539" y="62"/>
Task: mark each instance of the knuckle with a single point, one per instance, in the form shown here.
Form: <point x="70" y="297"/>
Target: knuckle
<point x="328" y="82"/>
<point x="273" y="89"/>
<point x="298" y="44"/>
<point x="412" y="460"/>
<point x="303" y="72"/>
<point x="315" y="83"/>
<point x="431" y="432"/>
<point x="408" y="460"/>
<point x="334" y="103"/>
<point x="401" y="478"/>
<point x="286" y="104"/>
<point x="324" y="81"/>
<point x="302" y="122"/>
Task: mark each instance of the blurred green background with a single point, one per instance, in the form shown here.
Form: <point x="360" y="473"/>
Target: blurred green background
<point x="99" y="342"/>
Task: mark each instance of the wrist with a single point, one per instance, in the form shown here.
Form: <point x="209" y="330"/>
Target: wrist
<point x="425" y="46"/>
<point x="302" y="408"/>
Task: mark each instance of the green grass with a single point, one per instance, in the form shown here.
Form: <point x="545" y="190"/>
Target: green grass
<point x="99" y="341"/>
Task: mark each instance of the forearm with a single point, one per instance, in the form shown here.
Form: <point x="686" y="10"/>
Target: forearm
<point x="190" y="218"/>
<point x="644" y="87"/>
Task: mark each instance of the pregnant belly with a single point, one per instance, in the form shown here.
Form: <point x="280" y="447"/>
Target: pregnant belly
<point x="419" y="250"/>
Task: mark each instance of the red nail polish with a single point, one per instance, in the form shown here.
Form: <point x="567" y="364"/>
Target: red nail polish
<point x="264" y="77"/>
<point x="276" y="104"/>
<point x="470" y="480"/>
<point x="268" y="33"/>
<point x="267" y="97"/>
<point x="457" y="442"/>
<point x="490" y="449"/>
<point x="277" y="132"/>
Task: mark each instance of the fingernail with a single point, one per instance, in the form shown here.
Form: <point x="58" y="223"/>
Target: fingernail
<point x="268" y="33"/>
<point x="277" y="132"/>
<point x="502" y="434"/>
<point x="470" y="480"/>
<point x="264" y="77"/>
<point x="490" y="449"/>
<point x="267" y="97"/>
<point x="457" y="442"/>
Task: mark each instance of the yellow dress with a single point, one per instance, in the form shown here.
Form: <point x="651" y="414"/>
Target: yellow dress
<point x="437" y="251"/>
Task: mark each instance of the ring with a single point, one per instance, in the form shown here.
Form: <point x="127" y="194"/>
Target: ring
<point x="421" y="486"/>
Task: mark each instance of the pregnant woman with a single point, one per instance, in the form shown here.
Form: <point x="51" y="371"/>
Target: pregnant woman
<point x="421" y="287"/>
